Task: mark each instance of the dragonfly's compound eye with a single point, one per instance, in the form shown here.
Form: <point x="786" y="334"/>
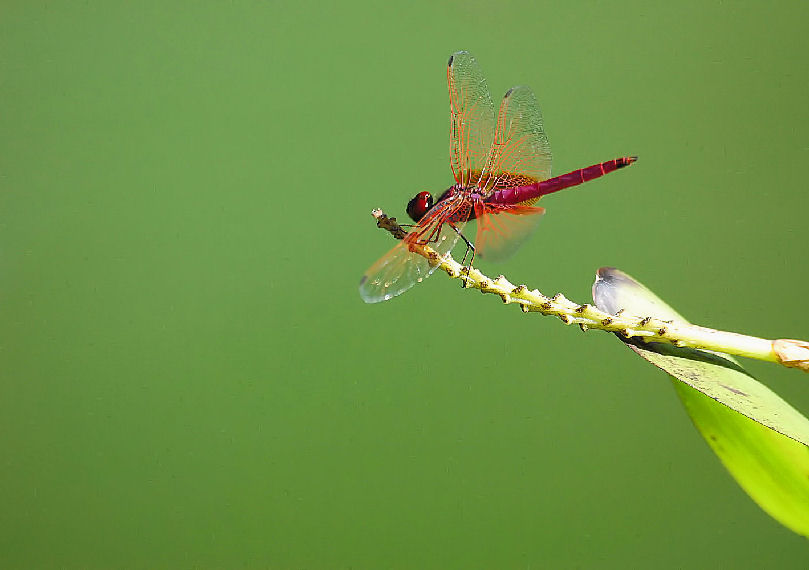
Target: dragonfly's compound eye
<point x="419" y="205"/>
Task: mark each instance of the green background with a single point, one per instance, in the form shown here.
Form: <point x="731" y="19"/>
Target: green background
<point x="189" y="377"/>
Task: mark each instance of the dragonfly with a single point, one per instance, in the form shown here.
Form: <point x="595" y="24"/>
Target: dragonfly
<point x="501" y="163"/>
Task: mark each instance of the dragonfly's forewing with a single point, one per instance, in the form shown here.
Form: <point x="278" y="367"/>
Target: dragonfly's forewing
<point x="400" y="269"/>
<point x="393" y="274"/>
<point x="472" y="118"/>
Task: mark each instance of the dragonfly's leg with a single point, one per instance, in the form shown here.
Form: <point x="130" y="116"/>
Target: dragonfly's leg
<point x="422" y="238"/>
<point x="469" y="247"/>
<point x="433" y="237"/>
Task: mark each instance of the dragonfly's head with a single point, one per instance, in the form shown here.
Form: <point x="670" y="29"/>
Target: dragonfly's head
<point x="419" y="205"/>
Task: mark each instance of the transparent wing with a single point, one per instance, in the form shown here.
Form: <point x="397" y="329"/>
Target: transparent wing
<point x="394" y="273"/>
<point x="400" y="269"/>
<point x="520" y="152"/>
<point x="502" y="229"/>
<point x="472" y="118"/>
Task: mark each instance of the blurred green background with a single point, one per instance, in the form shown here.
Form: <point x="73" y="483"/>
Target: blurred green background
<point x="189" y="377"/>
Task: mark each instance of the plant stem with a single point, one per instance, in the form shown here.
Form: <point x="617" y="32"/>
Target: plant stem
<point x="790" y="353"/>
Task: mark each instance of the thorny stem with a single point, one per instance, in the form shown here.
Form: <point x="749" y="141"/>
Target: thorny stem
<point x="790" y="353"/>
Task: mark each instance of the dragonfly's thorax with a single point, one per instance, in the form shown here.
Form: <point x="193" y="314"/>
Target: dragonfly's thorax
<point x="466" y="195"/>
<point x="472" y="191"/>
<point x="450" y="192"/>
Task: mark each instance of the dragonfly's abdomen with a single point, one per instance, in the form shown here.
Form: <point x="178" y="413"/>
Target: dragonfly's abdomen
<point x="530" y="193"/>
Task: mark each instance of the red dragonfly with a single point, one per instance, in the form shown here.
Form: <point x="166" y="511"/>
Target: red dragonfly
<point x="501" y="164"/>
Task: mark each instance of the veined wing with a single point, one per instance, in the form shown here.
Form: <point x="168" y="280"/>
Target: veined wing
<point x="502" y="229"/>
<point x="393" y="274"/>
<point x="520" y="153"/>
<point x="472" y="118"/>
<point x="400" y="269"/>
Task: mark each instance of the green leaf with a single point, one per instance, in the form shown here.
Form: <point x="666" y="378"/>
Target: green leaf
<point x="760" y="438"/>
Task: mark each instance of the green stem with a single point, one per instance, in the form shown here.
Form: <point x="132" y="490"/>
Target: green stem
<point x="790" y="353"/>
